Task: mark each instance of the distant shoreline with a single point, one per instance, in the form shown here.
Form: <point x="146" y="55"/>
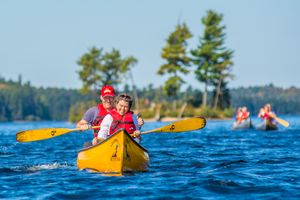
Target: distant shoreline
<point x="172" y="119"/>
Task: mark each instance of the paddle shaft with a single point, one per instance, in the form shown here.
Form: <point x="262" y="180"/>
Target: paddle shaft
<point x="45" y="133"/>
<point x="279" y="120"/>
<point x="282" y="122"/>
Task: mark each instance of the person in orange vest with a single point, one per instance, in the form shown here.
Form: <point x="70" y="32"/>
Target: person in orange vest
<point x="121" y="117"/>
<point x="95" y="115"/>
<point x="238" y="113"/>
<point x="241" y="115"/>
<point x="266" y="113"/>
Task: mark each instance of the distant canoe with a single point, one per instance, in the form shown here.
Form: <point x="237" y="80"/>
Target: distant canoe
<point x="246" y="124"/>
<point x="114" y="156"/>
<point x="267" y="125"/>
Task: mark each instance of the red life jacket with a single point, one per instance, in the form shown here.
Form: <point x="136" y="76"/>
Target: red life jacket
<point x="126" y="122"/>
<point x="266" y="116"/>
<point x="102" y="112"/>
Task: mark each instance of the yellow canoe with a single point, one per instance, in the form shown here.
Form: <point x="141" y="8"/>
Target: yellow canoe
<point x="115" y="155"/>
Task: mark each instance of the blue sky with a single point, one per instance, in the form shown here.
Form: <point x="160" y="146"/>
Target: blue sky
<point x="43" y="40"/>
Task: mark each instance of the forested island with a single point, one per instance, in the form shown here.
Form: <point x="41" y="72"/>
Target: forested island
<point x="21" y="101"/>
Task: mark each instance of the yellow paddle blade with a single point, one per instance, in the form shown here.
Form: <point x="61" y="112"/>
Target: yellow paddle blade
<point x="190" y="124"/>
<point x="41" y="134"/>
<point x="282" y="122"/>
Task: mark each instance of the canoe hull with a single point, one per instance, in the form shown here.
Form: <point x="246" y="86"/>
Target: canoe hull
<point x="116" y="155"/>
<point x="267" y="125"/>
<point x="244" y="125"/>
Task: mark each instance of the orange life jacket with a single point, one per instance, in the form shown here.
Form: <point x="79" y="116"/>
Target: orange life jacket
<point x="242" y="116"/>
<point x="126" y="122"/>
<point x="245" y="115"/>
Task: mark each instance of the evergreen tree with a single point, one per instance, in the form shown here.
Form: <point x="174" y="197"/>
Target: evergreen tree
<point x="222" y="73"/>
<point x="90" y="63"/>
<point x="5" y="115"/>
<point x="175" y="55"/>
<point x="225" y="98"/>
<point x="211" y="57"/>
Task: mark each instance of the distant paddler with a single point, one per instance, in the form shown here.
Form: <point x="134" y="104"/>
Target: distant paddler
<point x="242" y="118"/>
<point x="270" y="118"/>
<point x="267" y="113"/>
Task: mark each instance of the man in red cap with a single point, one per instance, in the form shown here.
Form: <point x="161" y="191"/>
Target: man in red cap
<point x="94" y="115"/>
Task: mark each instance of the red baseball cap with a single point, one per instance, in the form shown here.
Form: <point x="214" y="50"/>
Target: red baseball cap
<point x="107" y="90"/>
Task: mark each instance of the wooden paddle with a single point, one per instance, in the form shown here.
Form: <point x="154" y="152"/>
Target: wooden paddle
<point x="44" y="133"/>
<point x="189" y="124"/>
<point x="282" y="122"/>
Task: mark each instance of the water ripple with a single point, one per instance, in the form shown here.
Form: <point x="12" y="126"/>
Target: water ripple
<point x="213" y="163"/>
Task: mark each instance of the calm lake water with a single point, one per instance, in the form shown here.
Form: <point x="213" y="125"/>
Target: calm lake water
<point x="212" y="163"/>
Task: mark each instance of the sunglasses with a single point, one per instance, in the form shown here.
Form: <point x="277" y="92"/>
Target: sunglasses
<point x="125" y="96"/>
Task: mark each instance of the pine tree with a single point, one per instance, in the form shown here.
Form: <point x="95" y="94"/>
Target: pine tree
<point x="212" y="59"/>
<point x="176" y="60"/>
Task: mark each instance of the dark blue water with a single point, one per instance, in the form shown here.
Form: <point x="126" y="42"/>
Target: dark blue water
<point x="212" y="163"/>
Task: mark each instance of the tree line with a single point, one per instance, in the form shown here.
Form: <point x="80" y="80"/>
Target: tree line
<point x="283" y="101"/>
<point x="21" y="101"/>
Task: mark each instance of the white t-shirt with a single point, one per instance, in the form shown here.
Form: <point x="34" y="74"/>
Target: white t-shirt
<point x="106" y="124"/>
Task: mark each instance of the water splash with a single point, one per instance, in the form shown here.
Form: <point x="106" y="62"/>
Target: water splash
<point x="50" y="166"/>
